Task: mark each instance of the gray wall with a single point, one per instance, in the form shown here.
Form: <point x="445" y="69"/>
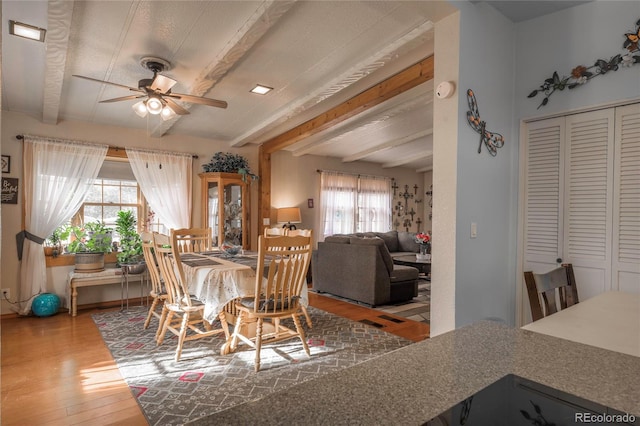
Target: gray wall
<point x="503" y="62"/>
<point x="487" y="186"/>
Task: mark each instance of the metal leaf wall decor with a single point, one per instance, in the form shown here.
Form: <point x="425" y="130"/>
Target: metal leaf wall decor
<point x="581" y="74"/>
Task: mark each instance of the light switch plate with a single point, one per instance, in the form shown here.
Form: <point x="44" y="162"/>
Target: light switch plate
<point x="266" y="221"/>
<point x="474" y="230"/>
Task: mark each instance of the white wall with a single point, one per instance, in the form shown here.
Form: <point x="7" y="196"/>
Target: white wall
<point x="16" y="123"/>
<point x="445" y="166"/>
<point x="295" y="179"/>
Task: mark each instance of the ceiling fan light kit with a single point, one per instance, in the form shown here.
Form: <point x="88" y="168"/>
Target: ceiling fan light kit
<point x="157" y="90"/>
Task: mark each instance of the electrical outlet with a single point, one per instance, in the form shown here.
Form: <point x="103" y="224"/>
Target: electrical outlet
<point x="6" y="293"/>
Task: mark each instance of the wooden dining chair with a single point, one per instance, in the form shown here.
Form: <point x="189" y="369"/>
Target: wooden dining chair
<point x="543" y="289"/>
<point x="190" y="240"/>
<point x="285" y="260"/>
<point x="275" y="232"/>
<point x="301" y="232"/>
<point x="157" y="293"/>
<point x="184" y="313"/>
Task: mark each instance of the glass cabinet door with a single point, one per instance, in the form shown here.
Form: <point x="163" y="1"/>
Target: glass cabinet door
<point x="212" y="218"/>
<point x="225" y="208"/>
<point x="233" y="214"/>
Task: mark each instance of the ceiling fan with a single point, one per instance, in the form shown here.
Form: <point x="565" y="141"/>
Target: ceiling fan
<point x="157" y="91"/>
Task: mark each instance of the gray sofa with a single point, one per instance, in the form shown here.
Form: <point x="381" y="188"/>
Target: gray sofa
<point x="360" y="267"/>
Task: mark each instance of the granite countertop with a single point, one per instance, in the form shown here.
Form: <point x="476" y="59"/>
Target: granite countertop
<point x="416" y="383"/>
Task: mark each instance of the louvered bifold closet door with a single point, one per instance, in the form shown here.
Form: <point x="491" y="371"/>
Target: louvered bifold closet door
<point x="626" y="202"/>
<point x="588" y="208"/>
<point x="543" y="195"/>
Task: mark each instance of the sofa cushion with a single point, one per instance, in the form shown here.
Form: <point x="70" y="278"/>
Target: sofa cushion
<point x="407" y="242"/>
<point x="390" y="239"/>
<point x="382" y="248"/>
<point x="403" y="273"/>
<point x="340" y="239"/>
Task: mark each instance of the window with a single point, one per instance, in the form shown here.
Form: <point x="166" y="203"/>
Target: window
<point x="107" y="198"/>
<point x="116" y="189"/>
<point x="354" y="203"/>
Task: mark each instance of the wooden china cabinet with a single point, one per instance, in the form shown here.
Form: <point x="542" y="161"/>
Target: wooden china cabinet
<point x="225" y="207"/>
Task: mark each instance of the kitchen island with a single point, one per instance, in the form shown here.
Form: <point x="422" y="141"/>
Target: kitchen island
<point x="414" y="384"/>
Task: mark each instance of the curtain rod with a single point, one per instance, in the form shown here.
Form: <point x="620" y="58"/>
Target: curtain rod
<point x="194" y="156"/>
<point x="352" y="174"/>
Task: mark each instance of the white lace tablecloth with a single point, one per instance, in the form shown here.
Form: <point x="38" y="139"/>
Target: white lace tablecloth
<point x="216" y="281"/>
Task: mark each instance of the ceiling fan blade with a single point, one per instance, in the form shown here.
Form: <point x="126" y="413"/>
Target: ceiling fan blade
<point x="175" y="107"/>
<point x="198" y="100"/>
<point x="162" y="83"/>
<point x="122" y="98"/>
<point x="135" y="89"/>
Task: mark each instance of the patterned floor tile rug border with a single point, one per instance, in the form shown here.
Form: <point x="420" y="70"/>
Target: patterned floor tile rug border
<point x="204" y="382"/>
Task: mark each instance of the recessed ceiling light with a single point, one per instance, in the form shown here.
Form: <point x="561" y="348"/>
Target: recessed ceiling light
<point x="261" y="90"/>
<point x="27" y="31"/>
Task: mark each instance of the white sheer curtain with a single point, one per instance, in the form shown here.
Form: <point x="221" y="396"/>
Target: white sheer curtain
<point x="374" y="204"/>
<point x="338" y="199"/>
<point x="57" y="176"/>
<point x="165" y="179"/>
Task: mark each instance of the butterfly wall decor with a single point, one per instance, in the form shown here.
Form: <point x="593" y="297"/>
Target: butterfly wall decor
<point x="492" y="140"/>
<point x="582" y="74"/>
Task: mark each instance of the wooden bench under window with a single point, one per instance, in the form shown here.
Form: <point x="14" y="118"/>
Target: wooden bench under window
<point x="108" y="276"/>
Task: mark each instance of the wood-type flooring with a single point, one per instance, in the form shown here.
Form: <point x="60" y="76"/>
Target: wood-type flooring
<point x="58" y="371"/>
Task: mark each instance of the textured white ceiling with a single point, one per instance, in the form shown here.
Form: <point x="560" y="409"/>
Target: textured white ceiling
<point x="315" y="54"/>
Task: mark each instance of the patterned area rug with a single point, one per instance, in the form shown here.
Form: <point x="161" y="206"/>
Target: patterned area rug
<point x="417" y="309"/>
<point x="204" y="382"/>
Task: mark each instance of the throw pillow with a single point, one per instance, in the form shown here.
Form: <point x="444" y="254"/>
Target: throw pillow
<point x="390" y="239"/>
<point x="382" y="248"/>
<point x="407" y="242"/>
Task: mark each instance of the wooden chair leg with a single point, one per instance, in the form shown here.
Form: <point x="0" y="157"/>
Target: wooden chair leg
<point x="224" y="324"/>
<point x="163" y="318"/>
<point x="182" y="336"/>
<point x="236" y="331"/>
<point x="150" y="313"/>
<point x="306" y="316"/>
<point x="258" y="343"/>
<point x="165" y="327"/>
<point x="300" y="331"/>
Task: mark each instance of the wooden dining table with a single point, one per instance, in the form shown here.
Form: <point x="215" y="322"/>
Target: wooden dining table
<point x="216" y="279"/>
<point x="610" y="320"/>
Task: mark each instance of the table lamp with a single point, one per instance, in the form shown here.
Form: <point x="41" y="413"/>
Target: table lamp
<point x="290" y="215"/>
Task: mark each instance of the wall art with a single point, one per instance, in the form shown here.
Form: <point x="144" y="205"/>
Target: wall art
<point x="6" y="164"/>
<point x="581" y="74"/>
<point x="492" y="140"/>
<point x="9" y="191"/>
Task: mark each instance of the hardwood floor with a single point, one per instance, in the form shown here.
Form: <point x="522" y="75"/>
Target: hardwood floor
<point x="58" y="371"/>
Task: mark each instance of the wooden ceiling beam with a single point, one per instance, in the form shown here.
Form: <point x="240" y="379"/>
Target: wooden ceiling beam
<point x="394" y="85"/>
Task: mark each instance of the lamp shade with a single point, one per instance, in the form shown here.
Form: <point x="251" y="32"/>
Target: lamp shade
<point x="289" y="214"/>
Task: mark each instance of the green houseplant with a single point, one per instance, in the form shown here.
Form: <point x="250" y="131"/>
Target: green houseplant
<point x="53" y="243"/>
<point x="130" y="241"/>
<point x="89" y="243"/>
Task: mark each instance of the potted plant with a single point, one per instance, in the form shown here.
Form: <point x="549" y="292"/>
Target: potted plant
<point x="89" y="243"/>
<point x="52" y="247"/>
<point x="227" y="162"/>
<point x="130" y="254"/>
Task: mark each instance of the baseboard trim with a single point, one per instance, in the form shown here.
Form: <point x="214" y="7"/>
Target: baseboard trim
<point x="134" y="301"/>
